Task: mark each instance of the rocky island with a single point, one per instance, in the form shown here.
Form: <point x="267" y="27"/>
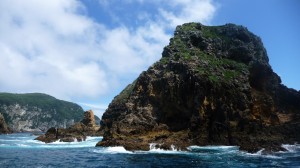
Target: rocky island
<point x="213" y="86"/>
<point x="77" y="132"/>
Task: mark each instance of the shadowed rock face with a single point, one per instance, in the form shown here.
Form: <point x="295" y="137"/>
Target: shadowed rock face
<point x="4" y="129"/>
<point x="212" y="86"/>
<point x="76" y="132"/>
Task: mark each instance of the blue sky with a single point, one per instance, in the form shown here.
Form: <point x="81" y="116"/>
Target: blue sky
<point x="88" y="51"/>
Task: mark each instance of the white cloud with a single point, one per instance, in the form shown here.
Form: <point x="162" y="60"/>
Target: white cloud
<point x="189" y="11"/>
<point x="49" y="47"/>
<point x="128" y="52"/>
<point x="53" y="47"/>
<point x="98" y="109"/>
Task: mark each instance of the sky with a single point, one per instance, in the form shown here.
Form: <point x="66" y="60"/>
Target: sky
<point x="87" y="51"/>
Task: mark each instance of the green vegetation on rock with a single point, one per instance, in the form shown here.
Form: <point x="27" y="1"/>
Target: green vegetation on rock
<point x="125" y="93"/>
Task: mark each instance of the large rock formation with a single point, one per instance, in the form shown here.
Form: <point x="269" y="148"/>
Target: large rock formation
<point x="37" y="112"/>
<point x="76" y="132"/>
<point x="4" y="129"/>
<point x="212" y="86"/>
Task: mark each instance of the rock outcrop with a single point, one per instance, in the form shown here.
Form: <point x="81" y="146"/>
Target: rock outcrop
<point x="76" y="132"/>
<point x="89" y="119"/>
<point x="212" y="86"/>
<point x="36" y="112"/>
<point x="4" y="129"/>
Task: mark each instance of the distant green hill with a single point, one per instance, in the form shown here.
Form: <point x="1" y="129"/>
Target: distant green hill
<point x="37" y="111"/>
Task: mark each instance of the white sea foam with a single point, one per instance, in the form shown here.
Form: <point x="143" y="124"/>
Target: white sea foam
<point x="34" y="141"/>
<point x="214" y="149"/>
<point x="121" y="150"/>
<point x="29" y="142"/>
<point x="154" y="148"/>
<point x="260" y="154"/>
<point x="10" y="140"/>
<point x="112" y="150"/>
<point x="89" y="142"/>
<point x="57" y="142"/>
<point x="291" y="148"/>
<point x="90" y="138"/>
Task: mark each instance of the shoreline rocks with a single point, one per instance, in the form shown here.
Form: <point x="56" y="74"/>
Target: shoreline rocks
<point x="77" y="132"/>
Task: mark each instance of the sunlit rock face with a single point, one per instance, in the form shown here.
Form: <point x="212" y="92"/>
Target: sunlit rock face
<point x="38" y="112"/>
<point x="212" y="86"/>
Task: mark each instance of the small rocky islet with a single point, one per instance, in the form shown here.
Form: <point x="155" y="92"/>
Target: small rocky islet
<point x="4" y="129"/>
<point x="213" y="86"/>
<point x="77" y="132"/>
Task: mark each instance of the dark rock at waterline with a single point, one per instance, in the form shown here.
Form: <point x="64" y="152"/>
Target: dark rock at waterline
<point x="4" y="129"/>
<point x="76" y="132"/>
<point x="212" y="86"/>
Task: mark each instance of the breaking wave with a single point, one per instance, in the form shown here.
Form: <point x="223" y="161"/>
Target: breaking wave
<point x="112" y="150"/>
<point x="291" y="148"/>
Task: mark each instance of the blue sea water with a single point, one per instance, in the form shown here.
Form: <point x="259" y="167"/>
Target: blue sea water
<point x="21" y="150"/>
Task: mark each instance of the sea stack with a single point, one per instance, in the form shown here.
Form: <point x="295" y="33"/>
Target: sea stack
<point x="213" y="86"/>
<point x="89" y="119"/>
<point x="4" y="129"/>
<point x="77" y="132"/>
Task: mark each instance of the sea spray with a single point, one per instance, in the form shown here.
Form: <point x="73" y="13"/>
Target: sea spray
<point x="27" y="141"/>
<point x="291" y="148"/>
<point x="156" y="148"/>
<point x="112" y="150"/>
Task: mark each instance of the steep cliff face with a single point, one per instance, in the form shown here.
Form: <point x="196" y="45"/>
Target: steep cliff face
<point x="212" y="86"/>
<point x="4" y="129"/>
<point x="37" y="112"/>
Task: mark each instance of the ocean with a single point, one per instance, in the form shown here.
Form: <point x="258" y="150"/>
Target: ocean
<point x="21" y="150"/>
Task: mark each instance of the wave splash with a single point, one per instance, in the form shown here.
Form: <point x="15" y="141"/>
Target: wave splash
<point x="291" y="148"/>
<point x="27" y="141"/>
<point x="112" y="150"/>
<point x="155" y="148"/>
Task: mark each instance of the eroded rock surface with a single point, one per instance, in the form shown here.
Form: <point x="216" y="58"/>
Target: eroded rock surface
<point x="89" y="119"/>
<point x="212" y="86"/>
<point x="77" y="132"/>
